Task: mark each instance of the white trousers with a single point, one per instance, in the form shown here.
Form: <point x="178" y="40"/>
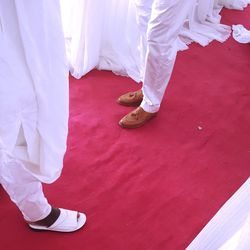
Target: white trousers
<point x="23" y="188"/>
<point x="160" y="22"/>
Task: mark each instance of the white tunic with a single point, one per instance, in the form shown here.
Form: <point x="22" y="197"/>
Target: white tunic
<point x="33" y="84"/>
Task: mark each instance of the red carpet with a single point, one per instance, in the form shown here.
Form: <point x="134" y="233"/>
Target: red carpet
<point x="156" y="187"/>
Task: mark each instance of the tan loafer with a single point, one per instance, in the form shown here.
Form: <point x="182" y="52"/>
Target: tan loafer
<point x="136" y="118"/>
<point x="133" y="99"/>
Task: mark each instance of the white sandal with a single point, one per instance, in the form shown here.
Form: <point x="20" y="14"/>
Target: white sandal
<point x="66" y="222"/>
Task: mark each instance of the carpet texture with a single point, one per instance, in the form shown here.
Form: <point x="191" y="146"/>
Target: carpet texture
<point x="156" y="187"/>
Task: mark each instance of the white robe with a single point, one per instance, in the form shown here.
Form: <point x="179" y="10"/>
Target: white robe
<point x="34" y="84"/>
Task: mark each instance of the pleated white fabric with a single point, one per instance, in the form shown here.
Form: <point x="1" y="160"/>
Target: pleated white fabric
<point x="82" y="17"/>
<point x="34" y="84"/>
<point x="105" y="35"/>
<point x="229" y="229"/>
<point x="101" y="35"/>
<point x="203" y="25"/>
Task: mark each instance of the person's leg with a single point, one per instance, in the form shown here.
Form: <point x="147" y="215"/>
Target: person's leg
<point x="143" y="14"/>
<point x="166" y="20"/>
<point x="24" y="104"/>
<point x="26" y="192"/>
<point x="24" y="189"/>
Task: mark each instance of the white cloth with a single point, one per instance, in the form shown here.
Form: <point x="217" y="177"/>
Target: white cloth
<point x="34" y="84"/>
<point x="241" y="34"/>
<point x="160" y="23"/>
<point x="101" y="35"/>
<point x="104" y="35"/>
<point x="229" y="229"/>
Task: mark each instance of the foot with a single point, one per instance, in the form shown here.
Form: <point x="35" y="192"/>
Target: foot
<point x="60" y="220"/>
<point x="136" y="118"/>
<point x="133" y="99"/>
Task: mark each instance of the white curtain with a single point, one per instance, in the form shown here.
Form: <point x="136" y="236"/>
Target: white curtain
<point x="101" y="34"/>
<point x="83" y="23"/>
<point x="104" y="35"/>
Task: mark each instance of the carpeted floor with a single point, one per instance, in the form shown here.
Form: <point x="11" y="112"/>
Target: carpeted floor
<point x="156" y="187"/>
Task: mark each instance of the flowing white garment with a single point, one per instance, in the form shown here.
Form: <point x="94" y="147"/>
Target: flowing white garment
<point x="203" y="24"/>
<point x="33" y="84"/>
<point x="105" y="35"/>
<point x="229" y="229"/>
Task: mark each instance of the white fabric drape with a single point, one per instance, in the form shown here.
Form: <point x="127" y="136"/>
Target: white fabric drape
<point x="83" y="22"/>
<point x="104" y="34"/>
<point x="101" y="35"/>
<point x="23" y="188"/>
<point x="230" y="227"/>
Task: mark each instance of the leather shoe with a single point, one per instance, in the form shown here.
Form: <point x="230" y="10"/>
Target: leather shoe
<point x="133" y="99"/>
<point x="136" y="118"/>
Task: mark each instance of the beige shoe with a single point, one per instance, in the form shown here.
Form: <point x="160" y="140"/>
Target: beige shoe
<point x="133" y="99"/>
<point x="136" y="118"/>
